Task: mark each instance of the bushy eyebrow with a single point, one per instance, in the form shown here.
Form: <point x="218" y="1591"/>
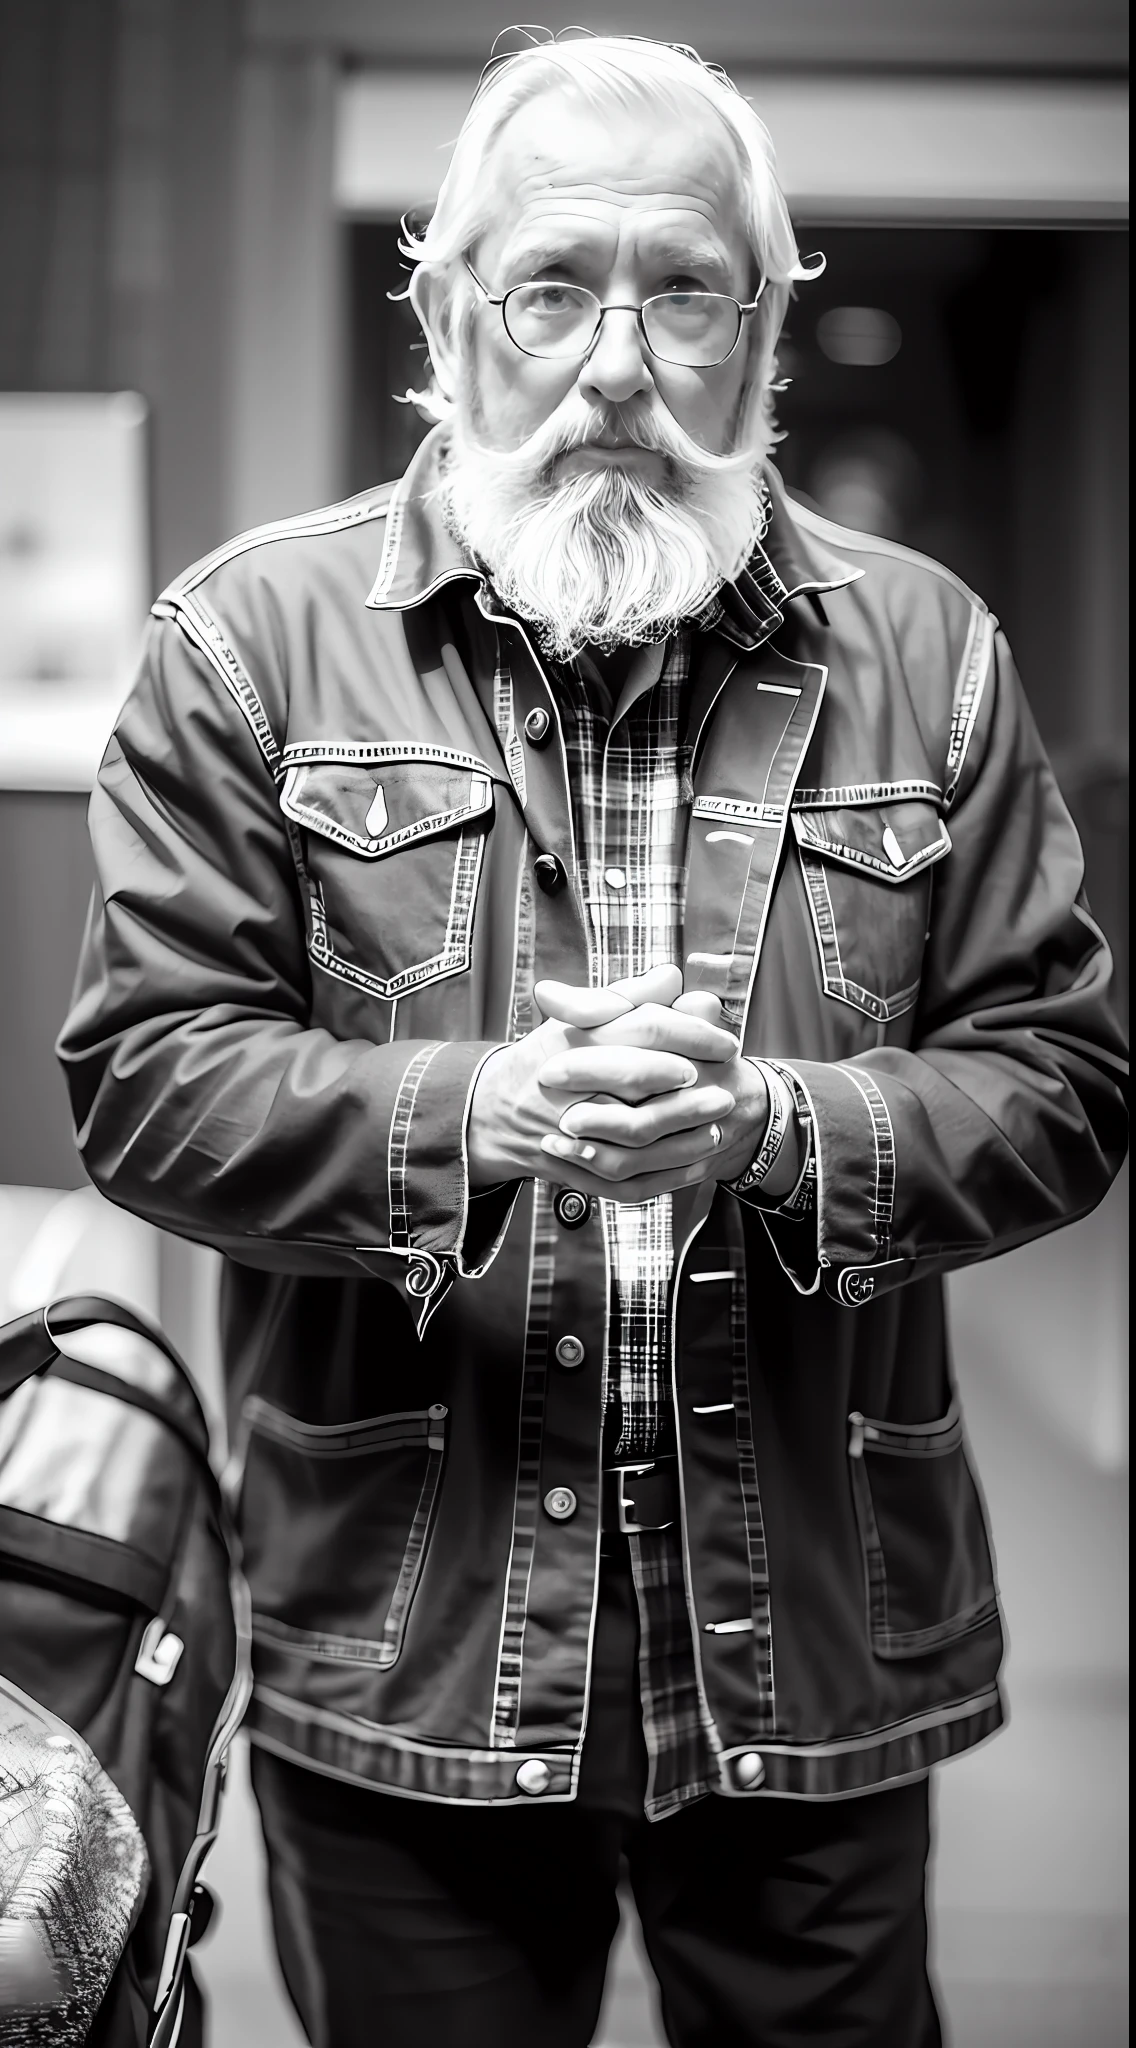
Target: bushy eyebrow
<point x="680" y="253"/>
<point x="538" y="256"/>
<point x="690" y="254"/>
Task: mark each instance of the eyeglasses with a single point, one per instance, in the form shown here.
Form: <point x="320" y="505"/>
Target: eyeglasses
<point x="551" y="320"/>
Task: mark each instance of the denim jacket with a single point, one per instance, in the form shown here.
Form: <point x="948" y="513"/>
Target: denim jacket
<point x="311" y="848"/>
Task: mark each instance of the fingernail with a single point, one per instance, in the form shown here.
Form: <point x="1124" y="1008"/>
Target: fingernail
<point x="554" y="1077"/>
<point x="690" y="1078"/>
<point x="567" y="1148"/>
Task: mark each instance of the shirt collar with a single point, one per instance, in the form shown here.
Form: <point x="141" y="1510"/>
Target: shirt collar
<point x="420" y="555"/>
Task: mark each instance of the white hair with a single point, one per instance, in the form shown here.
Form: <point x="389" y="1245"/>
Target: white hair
<point x="611" y="72"/>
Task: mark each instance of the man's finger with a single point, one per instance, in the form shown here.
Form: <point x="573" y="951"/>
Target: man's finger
<point x="617" y="1163"/>
<point x="620" y="1123"/>
<point x="583" y="1007"/>
<point x="675" y="1031"/>
<point x="629" y="1072"/>
<point x="659" y="985"/>
<point x="699" y="1003"/>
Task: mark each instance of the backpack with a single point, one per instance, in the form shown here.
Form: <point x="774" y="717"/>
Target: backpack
<point x="124" y="1613"/>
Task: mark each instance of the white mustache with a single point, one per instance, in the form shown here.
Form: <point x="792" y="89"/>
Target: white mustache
<point x="575" y="424"/>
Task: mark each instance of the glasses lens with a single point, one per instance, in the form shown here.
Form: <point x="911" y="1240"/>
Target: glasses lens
<point x="551" y="319"/>
<point x="694" y="328"/>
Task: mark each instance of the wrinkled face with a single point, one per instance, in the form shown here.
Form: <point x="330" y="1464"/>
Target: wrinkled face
<point x="630" y="206"/>
<point x="609" y="493"/>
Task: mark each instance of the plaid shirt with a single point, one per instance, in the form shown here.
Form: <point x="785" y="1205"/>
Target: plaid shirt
<point x="629" y="764"/>
<point x="627" y="775"/>
<point x="628" y="772"/>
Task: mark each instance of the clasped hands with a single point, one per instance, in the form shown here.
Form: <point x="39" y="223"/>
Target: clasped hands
<point x="623" y="1092"/>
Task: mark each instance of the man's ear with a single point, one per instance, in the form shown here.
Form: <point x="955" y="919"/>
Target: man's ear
<point x="431" y="298"/>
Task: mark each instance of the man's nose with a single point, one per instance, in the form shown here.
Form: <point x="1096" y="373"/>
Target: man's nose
<point x="617" y="368"/>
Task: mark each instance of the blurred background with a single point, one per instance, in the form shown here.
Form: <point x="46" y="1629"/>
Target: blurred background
<point x="198" y="234"/>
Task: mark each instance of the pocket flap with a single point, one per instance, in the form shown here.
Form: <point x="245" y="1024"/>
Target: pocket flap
<point x="373" y="805"/>
<point x="892" y="840"/>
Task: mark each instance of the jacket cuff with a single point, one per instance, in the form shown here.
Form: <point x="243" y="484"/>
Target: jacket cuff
<point x="486" y="1214"/>
<point x="427" y="1163"/>
<point x="849" y="1251"/>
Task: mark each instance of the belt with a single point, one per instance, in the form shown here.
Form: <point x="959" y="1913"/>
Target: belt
<point x="642" y="1496"/>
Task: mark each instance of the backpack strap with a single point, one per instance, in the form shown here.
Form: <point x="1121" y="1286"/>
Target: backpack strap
<point x="28" y="1345"/>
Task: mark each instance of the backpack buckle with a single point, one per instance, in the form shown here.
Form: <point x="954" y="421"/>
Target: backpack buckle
<point x="159" y="1653"/>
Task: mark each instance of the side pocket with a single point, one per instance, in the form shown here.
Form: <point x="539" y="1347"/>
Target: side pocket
<point x="336" y="1521"/>
<point x="929" y="1571"/>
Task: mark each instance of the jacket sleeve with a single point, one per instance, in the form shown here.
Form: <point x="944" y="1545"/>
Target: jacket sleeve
<point x="203" y="1098"/>
<point x="1006" y="1117"/>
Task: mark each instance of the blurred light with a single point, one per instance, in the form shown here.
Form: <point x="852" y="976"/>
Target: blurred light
<point x="864" y="336"/>
<point x="73" y="517"/>
<point x="869" y="479"/>
<point x="851" y="149"/>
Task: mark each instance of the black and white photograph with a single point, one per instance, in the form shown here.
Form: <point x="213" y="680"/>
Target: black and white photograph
<point x="563" y="1028"/>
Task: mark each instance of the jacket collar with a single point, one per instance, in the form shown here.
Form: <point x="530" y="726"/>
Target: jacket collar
<point x="789" y="562"/>
<point x="420" y="555"/>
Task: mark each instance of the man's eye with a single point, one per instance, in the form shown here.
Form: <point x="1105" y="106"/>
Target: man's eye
<point x="552" y="298"/>
<point x="689" y="306"/>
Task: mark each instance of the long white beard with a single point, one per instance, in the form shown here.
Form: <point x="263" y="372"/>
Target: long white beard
<point x="603" y="558"/>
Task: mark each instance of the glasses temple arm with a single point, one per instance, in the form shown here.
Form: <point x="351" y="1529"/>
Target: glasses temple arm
<point x="491" y="298"/>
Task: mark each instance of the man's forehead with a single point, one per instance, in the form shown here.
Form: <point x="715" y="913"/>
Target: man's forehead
<point x="559" y="161"/>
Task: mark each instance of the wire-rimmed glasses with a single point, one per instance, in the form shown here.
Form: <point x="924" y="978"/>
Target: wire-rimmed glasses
<point x="552" y="320"/>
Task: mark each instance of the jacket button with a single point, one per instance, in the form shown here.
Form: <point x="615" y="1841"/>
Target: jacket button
<point x="749" y="1771"/>
<point x="550" y="873"/>
<point x="534" y="1777"/>
<point x="571" y="1208"/>
<point x="560" y="1503"/>
<point x="538" y="725"/>
<point x="570" y="1352"/>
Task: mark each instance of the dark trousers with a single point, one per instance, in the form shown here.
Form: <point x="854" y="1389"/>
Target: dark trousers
<point x="401" y="1924"/>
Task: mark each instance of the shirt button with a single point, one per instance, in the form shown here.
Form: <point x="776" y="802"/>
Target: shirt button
<point x="560" y="1503"/>
<point x="749" y="1771"/>
<point x="615" y="878"/>
<point x="571" y="1208"/>
<point x="534" y="1777"/>
<point x="538" y="725"/>
<point x="570" y="1352"/>
<point x="550" y="873"/>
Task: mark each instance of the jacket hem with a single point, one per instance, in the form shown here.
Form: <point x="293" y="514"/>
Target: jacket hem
<point x="362" y="1753"/>
<point x="871" y="1762"/>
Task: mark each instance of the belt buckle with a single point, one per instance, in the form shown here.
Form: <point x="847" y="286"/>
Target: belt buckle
<point x="622" y="1503"/>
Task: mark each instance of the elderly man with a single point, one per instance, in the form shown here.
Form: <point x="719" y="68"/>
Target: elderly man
<point x="592" y="944"/>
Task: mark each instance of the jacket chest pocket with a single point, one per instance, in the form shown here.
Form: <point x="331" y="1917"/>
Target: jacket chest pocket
<point x="392" y="853"/>
<point x="929" y="1572"/>
<point x="867" y="873"/>
<point x="335" y="1522"/>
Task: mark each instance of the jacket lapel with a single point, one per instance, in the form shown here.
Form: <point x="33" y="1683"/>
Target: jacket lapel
<point x="743" y="784"/>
